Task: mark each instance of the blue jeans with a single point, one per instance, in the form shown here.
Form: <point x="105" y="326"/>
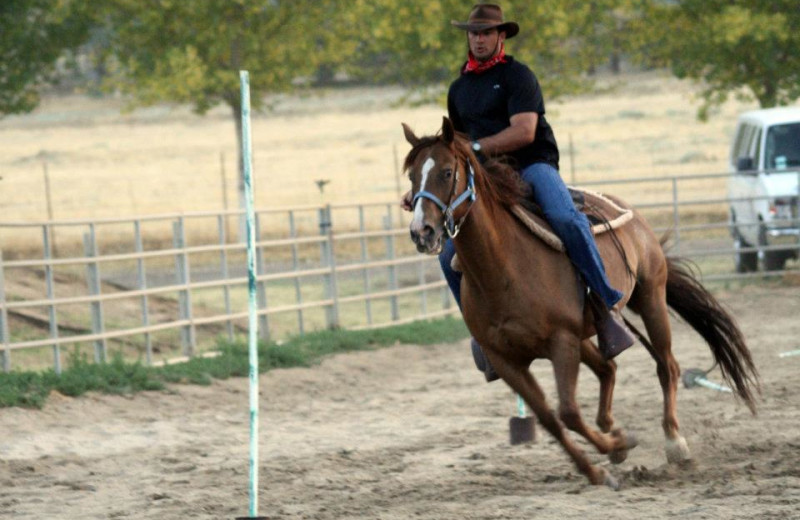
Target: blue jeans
<point x="571" y="226"/>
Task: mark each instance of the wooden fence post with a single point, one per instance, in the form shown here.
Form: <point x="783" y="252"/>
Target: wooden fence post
<point x="298" y="293"/>
<point x="390" y="255"/>
<point x="49" y="199"/>
<point x="96" y="307"/>
<point x="328" y="259"/>
<point x="222" y="226"/>
<point x="51" y="309"/>
<point x="142" y="282"/>
<point x="224" y="182"/>
<point x="184" y="295"/>
<point x="365" y="259"/>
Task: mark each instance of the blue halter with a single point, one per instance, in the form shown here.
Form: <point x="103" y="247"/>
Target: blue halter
<point x="450" y="224"/>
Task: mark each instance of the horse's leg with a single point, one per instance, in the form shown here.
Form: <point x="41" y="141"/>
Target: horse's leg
<point x="652" y="306"/>
<point x="519" y="378"/>
<point x="606" y="372"/>
<point x="566" y="365"/>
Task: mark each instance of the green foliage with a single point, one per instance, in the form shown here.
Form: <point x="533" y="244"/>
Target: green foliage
<point x="27" y="389"/>
<point x="413" y="42"/>
<point x="746" y="48"/>
<point x="33" y="35"/>
<point x="192" y="52"/>
<point x="319" y="344"/>
<point x="116" y="377"/>
<point x="31" y="389"/>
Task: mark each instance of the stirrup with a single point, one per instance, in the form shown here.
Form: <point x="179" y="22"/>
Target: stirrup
<point x="613" y="336"/>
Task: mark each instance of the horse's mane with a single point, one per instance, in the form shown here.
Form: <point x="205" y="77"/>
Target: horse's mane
<point x="495" y="179"/>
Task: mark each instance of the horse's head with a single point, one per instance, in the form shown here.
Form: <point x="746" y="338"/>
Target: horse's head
<point x="441" y="180"/>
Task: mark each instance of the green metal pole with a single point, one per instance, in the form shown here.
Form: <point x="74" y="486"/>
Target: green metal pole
<point x="244" y="78"/>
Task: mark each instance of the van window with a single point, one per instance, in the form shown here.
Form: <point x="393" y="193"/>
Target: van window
<point x="757" y="152"/>
<point x="737" y="144"/>
<point x="782" y="148"/>
<point x="743" y="145"/>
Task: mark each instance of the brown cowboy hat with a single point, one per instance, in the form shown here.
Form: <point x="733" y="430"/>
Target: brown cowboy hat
<point x="488" y="16"/>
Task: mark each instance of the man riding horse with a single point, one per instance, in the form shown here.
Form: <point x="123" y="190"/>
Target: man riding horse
<point x="498" y="103"/>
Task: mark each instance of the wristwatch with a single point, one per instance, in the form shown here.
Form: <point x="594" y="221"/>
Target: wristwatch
<point x="476" y="147"/>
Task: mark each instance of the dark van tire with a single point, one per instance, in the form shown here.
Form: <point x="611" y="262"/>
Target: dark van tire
<point x="772" y="260"/>
<point x="745" y="261"/>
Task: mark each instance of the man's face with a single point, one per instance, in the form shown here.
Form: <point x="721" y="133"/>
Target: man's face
<point x="485" y="44"/>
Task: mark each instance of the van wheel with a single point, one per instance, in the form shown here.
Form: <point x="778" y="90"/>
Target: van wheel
<point x="772" y="260"/>
<point x="746" y="261"/>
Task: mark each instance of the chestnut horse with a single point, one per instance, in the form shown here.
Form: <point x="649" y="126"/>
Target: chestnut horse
<point x="522" y="300"/>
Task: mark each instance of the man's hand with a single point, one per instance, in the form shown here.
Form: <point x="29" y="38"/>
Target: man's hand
<point x="405" y="202"/>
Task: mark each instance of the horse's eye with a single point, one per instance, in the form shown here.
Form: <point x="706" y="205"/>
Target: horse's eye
<point x="447" y="172"/>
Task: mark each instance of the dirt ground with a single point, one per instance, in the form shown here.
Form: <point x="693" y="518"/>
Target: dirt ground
<point x="413" y="432"/>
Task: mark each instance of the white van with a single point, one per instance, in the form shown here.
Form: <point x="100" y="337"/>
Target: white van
<point x="764" y="188"/>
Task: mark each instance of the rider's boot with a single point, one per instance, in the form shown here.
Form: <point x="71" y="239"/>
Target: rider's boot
<point x="482" y="362"/>
<point x="613" y="336"/>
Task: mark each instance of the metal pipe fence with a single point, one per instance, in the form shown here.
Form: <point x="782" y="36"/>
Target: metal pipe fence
<point x="161" y="286"/>
<point x="194" y="287"/>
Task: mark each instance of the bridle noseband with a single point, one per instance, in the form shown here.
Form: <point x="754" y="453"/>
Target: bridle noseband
<point x="450" y="224"/>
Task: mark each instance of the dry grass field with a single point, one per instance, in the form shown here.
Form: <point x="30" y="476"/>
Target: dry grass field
<point x="165" y="159"/>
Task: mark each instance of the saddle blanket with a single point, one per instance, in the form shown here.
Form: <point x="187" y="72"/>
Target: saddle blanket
<point x="604" y="213"/>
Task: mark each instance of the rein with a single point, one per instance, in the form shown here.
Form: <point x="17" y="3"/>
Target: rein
<point x="450" y="224"/>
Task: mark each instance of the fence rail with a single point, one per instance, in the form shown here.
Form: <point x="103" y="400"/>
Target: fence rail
<point x="328" y="271"/>
<point x="129" y="289"/>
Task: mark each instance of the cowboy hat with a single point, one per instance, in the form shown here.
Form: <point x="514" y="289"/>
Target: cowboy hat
<point x="488" y="16"/>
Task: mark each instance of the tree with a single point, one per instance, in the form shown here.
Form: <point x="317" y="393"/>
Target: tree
<point x="413" y="43"/>
<point x="746" y="48"/>
<point x="33" y="35"/>
<point x="609" y="33"/>
<point x="192" y="52"/>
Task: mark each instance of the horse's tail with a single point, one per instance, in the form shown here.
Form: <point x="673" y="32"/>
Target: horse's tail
<point x="687" y="297"/>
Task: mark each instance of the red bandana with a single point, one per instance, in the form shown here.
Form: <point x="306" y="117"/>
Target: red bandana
<point x="478" y="67"/>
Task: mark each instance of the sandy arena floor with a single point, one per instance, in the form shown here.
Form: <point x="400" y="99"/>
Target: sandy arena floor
<point x="412" y="432"/>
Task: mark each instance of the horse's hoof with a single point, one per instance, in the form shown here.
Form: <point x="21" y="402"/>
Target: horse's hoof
<point x="609" y="480"/>
<point x="677" y="450"/>
<point x="619" y="456"/>
<point x="631" y="441"/>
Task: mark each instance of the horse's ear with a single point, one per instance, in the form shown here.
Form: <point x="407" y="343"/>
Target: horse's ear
<point x="448" y="132"/>
<point x="412" y="139"/>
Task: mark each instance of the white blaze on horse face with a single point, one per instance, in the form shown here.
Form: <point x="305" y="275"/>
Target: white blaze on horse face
<point x="427" y="166"/>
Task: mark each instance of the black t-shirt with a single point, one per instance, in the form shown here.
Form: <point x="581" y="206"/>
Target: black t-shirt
<point x="482" y="104"/>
